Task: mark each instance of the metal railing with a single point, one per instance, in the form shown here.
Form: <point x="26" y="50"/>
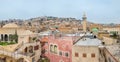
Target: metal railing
<point x="15" y="55"/>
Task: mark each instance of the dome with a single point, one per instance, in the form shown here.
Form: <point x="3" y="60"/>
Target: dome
<point x="10" y="25"/>
<point x="95" y="30"/>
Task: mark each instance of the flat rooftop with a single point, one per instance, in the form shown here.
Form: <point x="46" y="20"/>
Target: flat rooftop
<point x="89" y="40"/>
<point x="45" y="33"/>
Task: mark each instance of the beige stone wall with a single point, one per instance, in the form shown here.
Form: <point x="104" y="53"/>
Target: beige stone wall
<point x="37" y="54"/>
<point x="88" y="50"/>
<point x="112" y="29"/>
<point x="23" y="38"/>
<point x="101" y="35"/>
<point x="109" y="41"/>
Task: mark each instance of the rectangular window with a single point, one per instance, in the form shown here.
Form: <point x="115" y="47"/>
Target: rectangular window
<point x="60" y="53"/>
<point x="66" y="54"/>
<point x="36" y="47"/>
<point x="76" y="55"/>
<point x="84" y="55"/>
<point x="92" y="55"/>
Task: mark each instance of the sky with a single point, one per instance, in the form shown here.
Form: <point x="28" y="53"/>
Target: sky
<point x="98" y="11"/>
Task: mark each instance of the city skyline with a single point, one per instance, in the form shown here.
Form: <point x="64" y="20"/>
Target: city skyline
<point x="97" y="11"/>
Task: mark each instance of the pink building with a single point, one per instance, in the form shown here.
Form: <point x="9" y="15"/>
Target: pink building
<point x="58" y="48"/>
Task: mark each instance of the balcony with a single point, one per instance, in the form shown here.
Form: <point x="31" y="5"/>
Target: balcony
<point x="29" y="54"/>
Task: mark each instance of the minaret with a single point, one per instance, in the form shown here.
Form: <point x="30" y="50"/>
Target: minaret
<point x="84" y="22"/>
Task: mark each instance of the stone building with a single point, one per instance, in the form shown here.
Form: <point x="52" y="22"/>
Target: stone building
<point x="100" y="35"/>
<point x="111" y="29"/>
<point x="109" y="40"/>
<point x="18" y="44"/>
<point x="87" y="50"/>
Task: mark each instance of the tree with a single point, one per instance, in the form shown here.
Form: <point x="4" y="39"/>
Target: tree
<point x="34" y="38"/>
<point x="115" y="35"/>
<point x="16" y="38"/>
<point x="13" y="37"/>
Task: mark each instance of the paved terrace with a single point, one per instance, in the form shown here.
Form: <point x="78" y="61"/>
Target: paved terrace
<point x="114" y="50"/>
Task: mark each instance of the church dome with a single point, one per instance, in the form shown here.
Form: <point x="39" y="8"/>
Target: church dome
<point x="10" y="25"/>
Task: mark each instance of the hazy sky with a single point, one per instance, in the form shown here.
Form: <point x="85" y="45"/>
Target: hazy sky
<point x="103" y="11"/>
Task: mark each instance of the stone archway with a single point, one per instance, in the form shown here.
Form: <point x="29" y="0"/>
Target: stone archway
<point x="6" y="37"/>
<point x="31" y="49"/>
<point x="2" y="37"/>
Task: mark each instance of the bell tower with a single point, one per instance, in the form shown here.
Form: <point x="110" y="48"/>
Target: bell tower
<point x="84" y="22"/>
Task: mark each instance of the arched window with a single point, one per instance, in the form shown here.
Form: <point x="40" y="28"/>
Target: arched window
<point x="6" y="37"/>
<point x="51" y="48"/>
<point x="55" y="49"/>
<point x="1" y="37"/>
<point x="31" y="49"/>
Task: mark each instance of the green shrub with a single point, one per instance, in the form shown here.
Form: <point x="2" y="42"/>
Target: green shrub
<point x="7" y="43"/>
